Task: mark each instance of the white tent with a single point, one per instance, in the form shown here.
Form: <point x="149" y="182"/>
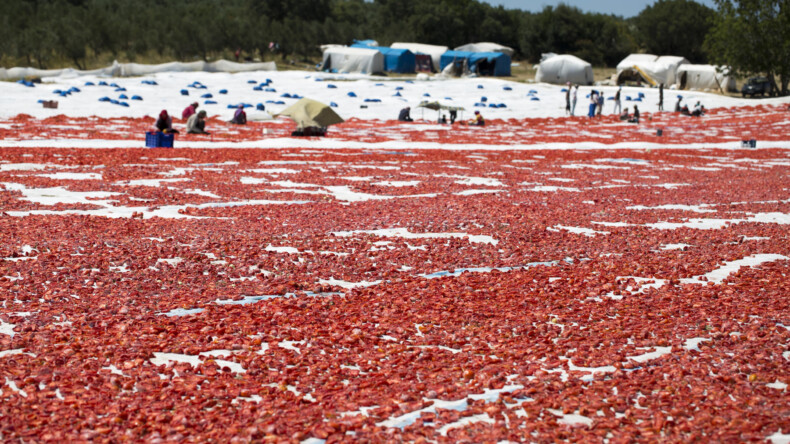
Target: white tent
<point x="670" y="64"/>
<point x="137" y="69"/>
<point x="653" y="69"/>
<point x="561" y="69"/>
<point x="486" y="47"/>
<point x="346" y="59"/>
<point x="704" y="77"/>
<point x="330" y="45"/>
<point x="419" y="48"/>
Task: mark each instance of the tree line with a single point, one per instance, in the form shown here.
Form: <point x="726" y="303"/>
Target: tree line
<point x="85" y="33"/>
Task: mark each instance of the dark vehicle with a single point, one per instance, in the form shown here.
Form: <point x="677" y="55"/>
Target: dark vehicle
<point x="756" y="85"/>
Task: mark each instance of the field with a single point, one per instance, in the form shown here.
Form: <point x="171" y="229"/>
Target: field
<point x="535" y="280"/>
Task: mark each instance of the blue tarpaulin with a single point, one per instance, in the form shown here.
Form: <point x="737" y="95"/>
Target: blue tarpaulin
<point x="368" y="42"/>
<point x="482" y="63"/>
<point x="395" y="60"/>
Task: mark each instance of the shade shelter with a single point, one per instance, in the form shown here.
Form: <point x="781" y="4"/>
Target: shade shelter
<point x="347" y="60"/>
<point x="486" y="47"/>
<point x="419" y="48"/>
<point x="436" y="106"/>
<point x="309" y="113"/>
<point x="705" y="77"/>
<point x="395" y="60"/>
<point x="481" y="63"/>
<point x="650" y="69"/>
<point x="562" y="69"/>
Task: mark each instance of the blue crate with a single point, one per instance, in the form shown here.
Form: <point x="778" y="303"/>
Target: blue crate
<point x="166" y="140"/>
<point x="158" y="140"/>
<point x="152" y="139"/>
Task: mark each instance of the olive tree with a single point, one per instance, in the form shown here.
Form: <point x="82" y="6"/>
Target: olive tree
<point x="752" y="37"/>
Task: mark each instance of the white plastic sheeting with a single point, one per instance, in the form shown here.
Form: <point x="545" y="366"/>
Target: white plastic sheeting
<point x="486" y="47"/>
<point x="561" y="69"/>
<point x="347" y="60"/>
<point x="661" y="69"/>
<point x="21" y="73"/>
<point x="420" y="48"/>
<point x="704" y="78"/>
<point x="137" y="69"/>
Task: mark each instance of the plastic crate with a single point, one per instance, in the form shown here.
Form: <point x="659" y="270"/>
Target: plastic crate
<point x="166" y="140"/>
<point x="151" y="139"/>
<point x="159" y="140"/>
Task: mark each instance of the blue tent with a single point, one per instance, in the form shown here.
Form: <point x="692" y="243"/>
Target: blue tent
<point x="368" y="42"/>
<point x="483" y="63"/>
<point x="395" y="60"/>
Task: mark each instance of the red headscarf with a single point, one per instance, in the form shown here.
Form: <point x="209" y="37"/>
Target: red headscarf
<point x="163" y="114"/>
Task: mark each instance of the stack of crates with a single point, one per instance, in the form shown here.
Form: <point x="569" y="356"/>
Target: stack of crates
<point x="156" y="139"/>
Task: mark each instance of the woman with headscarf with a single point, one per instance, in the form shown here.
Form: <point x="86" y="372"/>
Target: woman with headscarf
<point x="196" y="124"/>
<point x="477" y="120"/>
<point x="239" y="117"/>
<point x="164" y="123"/>
<point x="189" y="111"/>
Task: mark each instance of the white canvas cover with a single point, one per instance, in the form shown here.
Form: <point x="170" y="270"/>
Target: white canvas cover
<point x="670" y="64"/>
<point x="661" y="69"/>
<point x="561" y="69"/>
<point x="347" y="59"/>
<point x="704" y="77"/>
<point x="486" y="47"/>
<point x="419" y="48"/>
<point x="17" y="73"/>
<point x="636" y="59"/>
<point x="138" y="69"/>
<point x="330" y="45"/>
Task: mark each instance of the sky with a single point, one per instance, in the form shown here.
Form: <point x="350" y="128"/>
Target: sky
<point x="625" y="8"/>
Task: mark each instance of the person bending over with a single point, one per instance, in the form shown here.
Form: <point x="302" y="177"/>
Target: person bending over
<point x="477" y="120"/>
<point x="189" y="110"/>
<point x="405" y="115"/>
<point x="635" y="117"/>
<point x="239" y="117"/>
<point x="164" y="123"/>
<point x="196" y="124"/>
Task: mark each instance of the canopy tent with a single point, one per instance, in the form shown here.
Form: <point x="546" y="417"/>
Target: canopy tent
<point x="137" y="69"/>
<point x="486" y="47"/>
<point x="705" y="77"/>
<point x="650" y="69"/>
<point x="395" y="60"/>
<point x="561" y="69"/>
<point x="345" y="60"/>
<point x="419" y="48"/>
<point x="311" y="113"/>
<point x="436" y="106"/>
<point x="482" y="63"/>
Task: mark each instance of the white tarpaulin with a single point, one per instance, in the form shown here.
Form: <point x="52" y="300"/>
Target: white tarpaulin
<point x="654" y="69"/>
<point x="137" y="69"/>
<point x="561" y="69"/>
<point x="23" y="73"/>
<point x="705" y="77"/>
<point x="419" y="48"/>
<point x="346" y="60"/>
<point x="486" y="47"/>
